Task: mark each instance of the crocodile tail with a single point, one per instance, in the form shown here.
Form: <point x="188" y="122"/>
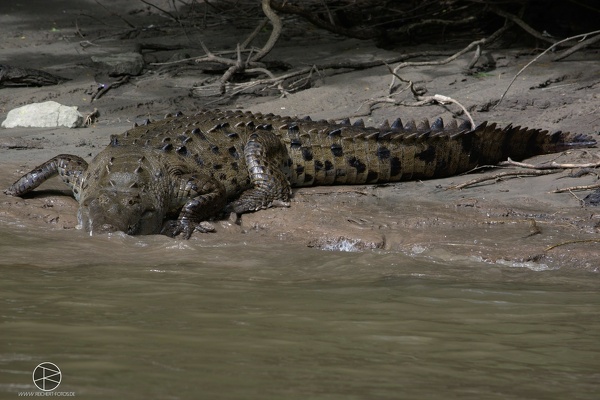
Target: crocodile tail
<point x="446" y="151"/>
<point x="496" y="144"/>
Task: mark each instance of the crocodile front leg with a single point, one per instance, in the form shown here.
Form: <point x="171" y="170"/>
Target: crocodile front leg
<point x="69" y="167"/>
<point x="202" y="197"/>
<point x="265" y="157"/>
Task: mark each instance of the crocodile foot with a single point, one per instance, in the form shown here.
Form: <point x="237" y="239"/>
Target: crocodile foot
<point x="185" y="228"/>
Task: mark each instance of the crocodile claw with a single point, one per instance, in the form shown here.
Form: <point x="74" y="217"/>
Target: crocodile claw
<point x="185" y="228"/>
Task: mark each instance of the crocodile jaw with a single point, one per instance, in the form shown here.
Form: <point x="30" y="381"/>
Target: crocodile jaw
<point x="110" y="211"/>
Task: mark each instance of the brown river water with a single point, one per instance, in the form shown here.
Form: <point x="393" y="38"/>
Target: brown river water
<point x="151" y="317"/>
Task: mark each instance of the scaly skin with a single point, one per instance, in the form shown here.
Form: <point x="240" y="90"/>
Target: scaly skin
<point x="192" y="168"/>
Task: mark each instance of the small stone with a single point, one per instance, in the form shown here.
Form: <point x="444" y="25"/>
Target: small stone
<point x="120" y="64"/>
<point x="205" y="227"/>
<point x="49" y="114"/>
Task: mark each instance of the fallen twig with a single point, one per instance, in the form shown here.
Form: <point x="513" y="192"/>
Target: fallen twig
<point x="571" y="242"/>
<point x="584" y="35"/>
<point x="106" y="88"/>
<point x="552" y="165"/>
<point x="572" y="188"/>
<point x="502" y="175"/>
<point x="453" y="57"/>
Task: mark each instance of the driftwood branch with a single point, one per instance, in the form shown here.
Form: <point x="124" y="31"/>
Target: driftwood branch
<point x="522" y="24"/>
<point x="16" y="76"/>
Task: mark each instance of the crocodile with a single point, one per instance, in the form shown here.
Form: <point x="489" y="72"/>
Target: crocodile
<point x="171" y="176"/>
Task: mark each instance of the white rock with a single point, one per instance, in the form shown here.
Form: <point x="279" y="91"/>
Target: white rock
<point x="43" y="115"/>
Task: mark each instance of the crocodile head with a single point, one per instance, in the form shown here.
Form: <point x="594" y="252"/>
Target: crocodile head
<point x="123" y="204"/>
<point x="112" y="211"/>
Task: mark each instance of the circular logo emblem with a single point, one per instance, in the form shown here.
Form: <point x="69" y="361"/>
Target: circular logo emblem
<point x="47" y="376"/>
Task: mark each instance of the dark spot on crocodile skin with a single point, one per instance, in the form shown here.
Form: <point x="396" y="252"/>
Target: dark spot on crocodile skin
<point x="167" y="139"/>
<point x="214" y="149"/>
<point x="335" y="132"/>
<point x="328" y="165"/>
<point x="178" y="114"/>
<point x="440" y="168"/>
<point x="147" y="121"/>
<point x="427" y="155"/>
<point x="222" y="177"/>
<point x="295" y="143"/>
<point x="532" y="144"/>
<point x="114" y="141"/>
<point x="233" y="135"/>
<point x="233" y="152"/>
<point x="307" y="154"/>
<point x="187" y="140"/>
<point x="466" y="144"/>
<point x="372" y="176"/>
<point x="336" y="150"/>
<point x="318" y="165"/>
<point x="293" y="128"/>
<point x="383" y="153"/>
<point x="395" y="166"/>
<point x="182" y="150"/>
<point x="308" y="178"/>
<point x="167" y="147"/>
<point x="299" y="169"/>
<point x="356" y="163"/>
<point x="250" y="124"/>
<point x="235" y="166"/>
<point x="198" y="160"/>
<point x="217" y="166"/>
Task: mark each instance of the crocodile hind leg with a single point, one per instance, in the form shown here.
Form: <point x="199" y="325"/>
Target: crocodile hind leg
<point x="202" y="197"/>
<point x="265" y="156"/>
<point x="69" y="167"/>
